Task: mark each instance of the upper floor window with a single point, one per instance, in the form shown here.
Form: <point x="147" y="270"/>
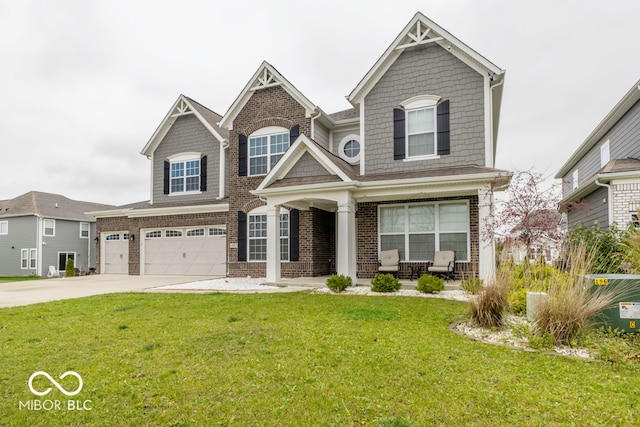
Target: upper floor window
<point x="421" y="128"/>
<point x="49" y="227"/>
<point x="349" y="148"/>
<point x="604" y="154"/>
<point x="185" y="173"/>
<point x="266" y="147"/>
<point x="4" y="227"/>
<point x="185" y="176"/>
<point x="84" y="230"/>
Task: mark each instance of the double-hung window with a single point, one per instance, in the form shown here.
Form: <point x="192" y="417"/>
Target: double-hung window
<point x="49" y="227"/>
<point x="257" y="236"/>
<point x="418" y="230"/>
<point x="421" y="132"/>
<point x="266" y="150"/>
<point x="185" y="176"/>
<point x="84" y="230"/>
<point x="4" y="227"/>
<point x="28" y="259"/>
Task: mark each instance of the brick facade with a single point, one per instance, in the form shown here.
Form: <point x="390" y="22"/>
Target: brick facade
<point x="626" y="199"/>
<point x="134" y="225"/>
<point x="367" y="243"/>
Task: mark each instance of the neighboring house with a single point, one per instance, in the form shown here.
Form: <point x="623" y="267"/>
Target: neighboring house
<point x="292" y="191"/>
<point x="543" y="230"/>
<point x="601" y="180"/>
<point x="39" y="230"/>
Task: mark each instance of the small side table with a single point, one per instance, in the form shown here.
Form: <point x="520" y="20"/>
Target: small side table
<point x="416" y="271"/>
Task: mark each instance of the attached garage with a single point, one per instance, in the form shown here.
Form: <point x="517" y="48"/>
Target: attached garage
<point x="199" y="251"/>
<point x="116" y="253"/>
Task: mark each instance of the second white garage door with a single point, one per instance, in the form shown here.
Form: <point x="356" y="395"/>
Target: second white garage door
<point x="198" y="251"/>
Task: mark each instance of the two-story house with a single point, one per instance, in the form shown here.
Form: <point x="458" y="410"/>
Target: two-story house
<point x="601" y="180"/>
<point x="42" y="230"/>
<point x="307" y="193"/>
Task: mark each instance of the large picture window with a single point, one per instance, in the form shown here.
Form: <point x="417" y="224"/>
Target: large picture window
<point x="257" y="236"/>
<point x="265" y="151"/>
<point x="417" y="231"/>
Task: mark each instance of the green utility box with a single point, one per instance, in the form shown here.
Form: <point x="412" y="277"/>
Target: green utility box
<point x="624" y="313"/>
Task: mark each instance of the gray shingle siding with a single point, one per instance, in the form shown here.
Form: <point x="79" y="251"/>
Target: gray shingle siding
<point x="420" y="71"/>
<point x="187" y="134"/>
<point x="624" y="141"/>
<point x="320" y="135"/>
<point x="590" y="211"/>
<point x="21" y="235"/>
<point x="337" y="137"/>
<point x="307" y="166"/>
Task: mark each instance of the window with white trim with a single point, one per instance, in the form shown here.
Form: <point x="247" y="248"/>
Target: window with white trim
<point x="173" y="233"/>
<point x="266" y="147"/>
<point x="84" y="230"/>
<point x="421" y="132"/>
<point x="218" y="231"/>
<point x="185" y="175"/>
<point x="33" y="258"/>
<point x="49" y="227"/>
<point x="63" y="259"/>
<point x="349" y="148"/>
<point x="28" y="259"/>
<point x="4" y="227"/>
<point x="257" y="236"/>
<point x="419" y="230"/>
<point x="112" y="237"/>
<point x="196" y="232"/>
<point x="604" y="154"/>
<point x="155" y="234"/>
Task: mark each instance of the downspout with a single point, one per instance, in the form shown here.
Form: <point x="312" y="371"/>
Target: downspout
<point x="491" y="129"/>
<point x="313" y="127"/>
<point x="222" y="172"/>
<point x="39" y="245"/>
<point x="609" y="198"/>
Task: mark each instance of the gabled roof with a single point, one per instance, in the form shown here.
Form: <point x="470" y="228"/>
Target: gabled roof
<point x="620" y="109"/>
<point x="49" y="206"/>
<point x="333" y="165"/>
<point x="267" y="76"/>
<point x="420" y="31"/>
<point x="182" y="107"/>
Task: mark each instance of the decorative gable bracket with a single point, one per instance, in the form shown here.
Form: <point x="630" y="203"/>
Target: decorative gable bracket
<point x="267" y="79"/>
<point x="417" y="36"/>
<point x="182" y="109"/>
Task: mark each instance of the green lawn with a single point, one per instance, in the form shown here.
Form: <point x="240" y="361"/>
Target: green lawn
<point x="6" y="279"/>
<point x="291" y="360"/>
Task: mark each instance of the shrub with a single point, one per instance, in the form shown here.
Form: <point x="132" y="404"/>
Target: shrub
<point x="430" y="284"/>
<point x="489" y="306"/>
<point x="338" y="283"/>
<point x="473" y="285"/>
<point x="572" y="304"/>
<point x="70" y="269"/>
<point x="605" y="247"/>
<point x="385" y="283"/>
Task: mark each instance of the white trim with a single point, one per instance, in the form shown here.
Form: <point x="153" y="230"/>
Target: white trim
<point x="44" y="227"/>
<point x="488" y="123"/>
<point x="351" y="137"/>
<point x="433" y="108"/>
<point x="6" y="228"/>
<point x="183" y="157"/>
<point x="420" y="101"/>
<point x="266" y="132"/>
<point x="362" y="138"/>
<point x="88" y="230"/>
<point x="606" y="147"/>
<point x="575" y="180"/>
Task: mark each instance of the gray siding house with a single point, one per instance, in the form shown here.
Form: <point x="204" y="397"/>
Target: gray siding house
<point x="277" y="187"/>
<point x="601" y="180"/>
<point x="39" y="230"/>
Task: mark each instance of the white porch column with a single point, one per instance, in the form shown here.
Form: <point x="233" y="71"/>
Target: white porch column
<point x="487" y="263"/>
<point x="273" y="243"/>
<point x="346" y="239"/>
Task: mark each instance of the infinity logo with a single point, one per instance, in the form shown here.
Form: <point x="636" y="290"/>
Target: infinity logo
<point x="55" y="383"/>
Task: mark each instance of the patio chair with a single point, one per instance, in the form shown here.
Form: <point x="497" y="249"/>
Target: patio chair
<point x="53" y="272"/>
<point x="389" y="262"/>
<point x="444" y="264"/>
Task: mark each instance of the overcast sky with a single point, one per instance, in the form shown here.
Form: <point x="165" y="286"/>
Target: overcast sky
<point x="84" y="84"/>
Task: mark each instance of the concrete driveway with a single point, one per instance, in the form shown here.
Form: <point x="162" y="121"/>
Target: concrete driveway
<point x="34" y="291"/>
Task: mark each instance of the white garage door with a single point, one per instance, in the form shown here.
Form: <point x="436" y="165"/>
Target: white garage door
<point x="198" y="251"/>
<point x="116" y="253"/>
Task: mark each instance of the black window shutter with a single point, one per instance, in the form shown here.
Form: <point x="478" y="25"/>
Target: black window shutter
<point x="398" y="134"/>
<point x="294" y="132"/>
<point x="167" y="176"/>
<point x="444" y="143"/>
<point x="242" y="236"/>
<point x="203" y="173"/>
<point x="294" y="235"/>
<point x="242" y="155"/>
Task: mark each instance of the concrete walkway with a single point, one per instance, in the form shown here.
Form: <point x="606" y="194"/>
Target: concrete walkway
<point x="15" y="294"/>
